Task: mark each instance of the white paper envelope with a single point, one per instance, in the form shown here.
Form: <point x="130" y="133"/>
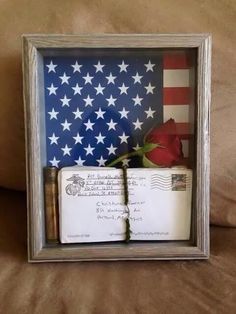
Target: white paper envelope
<point x="92" y="209"/>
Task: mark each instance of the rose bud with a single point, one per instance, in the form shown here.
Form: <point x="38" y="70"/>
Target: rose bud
<point x="162" y="147"/>
<point x="168" y="150"/>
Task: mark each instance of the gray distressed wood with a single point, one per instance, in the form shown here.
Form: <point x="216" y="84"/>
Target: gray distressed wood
<point x="34" y="46"/>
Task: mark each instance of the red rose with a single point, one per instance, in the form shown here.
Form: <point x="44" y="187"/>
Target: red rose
<point x="169" y="149"/>
<point x="162" y="147"/>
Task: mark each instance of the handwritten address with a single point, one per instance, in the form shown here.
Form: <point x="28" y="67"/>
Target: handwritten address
<point x="109" y="185"/>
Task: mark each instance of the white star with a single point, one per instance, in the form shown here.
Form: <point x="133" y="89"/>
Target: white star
<point x="53" y="114"/>
<point x="78" y="138"/>
<point x="66" y="150"/>
<point x="53" y="139"/>
<point x="89" y="125"/>
<point x="123" y="113"/>
<point x="52" y="89"/>
<point x="125" y="162"/>
<point x="112" y="125"/>
<point x="123" y="89"/>
<point x="99" y="89"/>
<point x="99" y="67"/>
<point x="80" y="161"/>
<point x="100" y="113"/>
<point x="101" y="161"/>
<point x="64" y="79"/>
<point x="150" y="112"/>
<point x="100" y="138"/>
<point x="111" y="150"/>
<point x="77" y="89"/>
<point x="137" y="78"/>
<point x="137" y="100"/>
<point x="111" y="101"/>
<point x="149" y="88"/>
<point x="88" y="101"/>
<point x="123" y="138"/>
<point x="65" y="101"/>
<point x="88" y="79"/>
<point x="76" y="67"/>
<point x="89" y="150"/>
<point x="149" y="66"/>
<point x="78" y="113"/>
<point x="137" y="124"/>
<point x="66" y="125"/>
<point x="110" y="79"/>
<point x="123" y="66"/>
<point x="54" y="162"/>
<point x="137" y="147"/>
<point x="51" y="67"/>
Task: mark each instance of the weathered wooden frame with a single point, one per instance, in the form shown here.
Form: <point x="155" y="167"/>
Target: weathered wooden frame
<point x="38" y="251"/>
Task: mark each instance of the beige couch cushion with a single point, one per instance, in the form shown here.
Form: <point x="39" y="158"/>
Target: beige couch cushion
<point x="134" y="287"/>
<point x="217" y="17"/>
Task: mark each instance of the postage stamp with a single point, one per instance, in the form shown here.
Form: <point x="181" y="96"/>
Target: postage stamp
<point x="179" y="182"/>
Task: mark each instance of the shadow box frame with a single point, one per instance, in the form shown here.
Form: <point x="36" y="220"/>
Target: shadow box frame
<point x="38" y="251"/>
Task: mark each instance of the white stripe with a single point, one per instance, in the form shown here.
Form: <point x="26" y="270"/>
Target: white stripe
<point x="185" y="147"/>
<point x="180" y="113"/>
<point x="176" y="78"/>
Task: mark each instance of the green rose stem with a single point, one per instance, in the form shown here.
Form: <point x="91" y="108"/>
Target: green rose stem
<point x="140" y="152"/>
<point x="127" y="229"/>
<point x="126" y="194"/>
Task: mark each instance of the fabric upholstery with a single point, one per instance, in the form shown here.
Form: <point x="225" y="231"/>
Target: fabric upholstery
<point x="134" y="16"/>
<point x="111" y="287"/>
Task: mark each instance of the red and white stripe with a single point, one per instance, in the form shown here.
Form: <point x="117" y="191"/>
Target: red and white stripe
<point x="177" y="95"/>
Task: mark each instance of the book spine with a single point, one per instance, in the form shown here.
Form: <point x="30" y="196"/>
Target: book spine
<point x="51" y="204"/>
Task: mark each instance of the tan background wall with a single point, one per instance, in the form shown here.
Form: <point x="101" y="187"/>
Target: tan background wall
<point x="133" y="16"/>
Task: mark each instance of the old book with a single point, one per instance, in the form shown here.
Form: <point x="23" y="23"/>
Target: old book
<point x="92" y="209"/>
<point x="51" y="204"/>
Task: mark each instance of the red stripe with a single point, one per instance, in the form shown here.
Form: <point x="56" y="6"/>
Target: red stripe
<point x="176" y="95"/>
<point x="184" y="130"/>
<point x="176" y="61"/>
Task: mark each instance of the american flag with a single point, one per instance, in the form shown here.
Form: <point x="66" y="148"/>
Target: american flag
<point x="98" y="108"/>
